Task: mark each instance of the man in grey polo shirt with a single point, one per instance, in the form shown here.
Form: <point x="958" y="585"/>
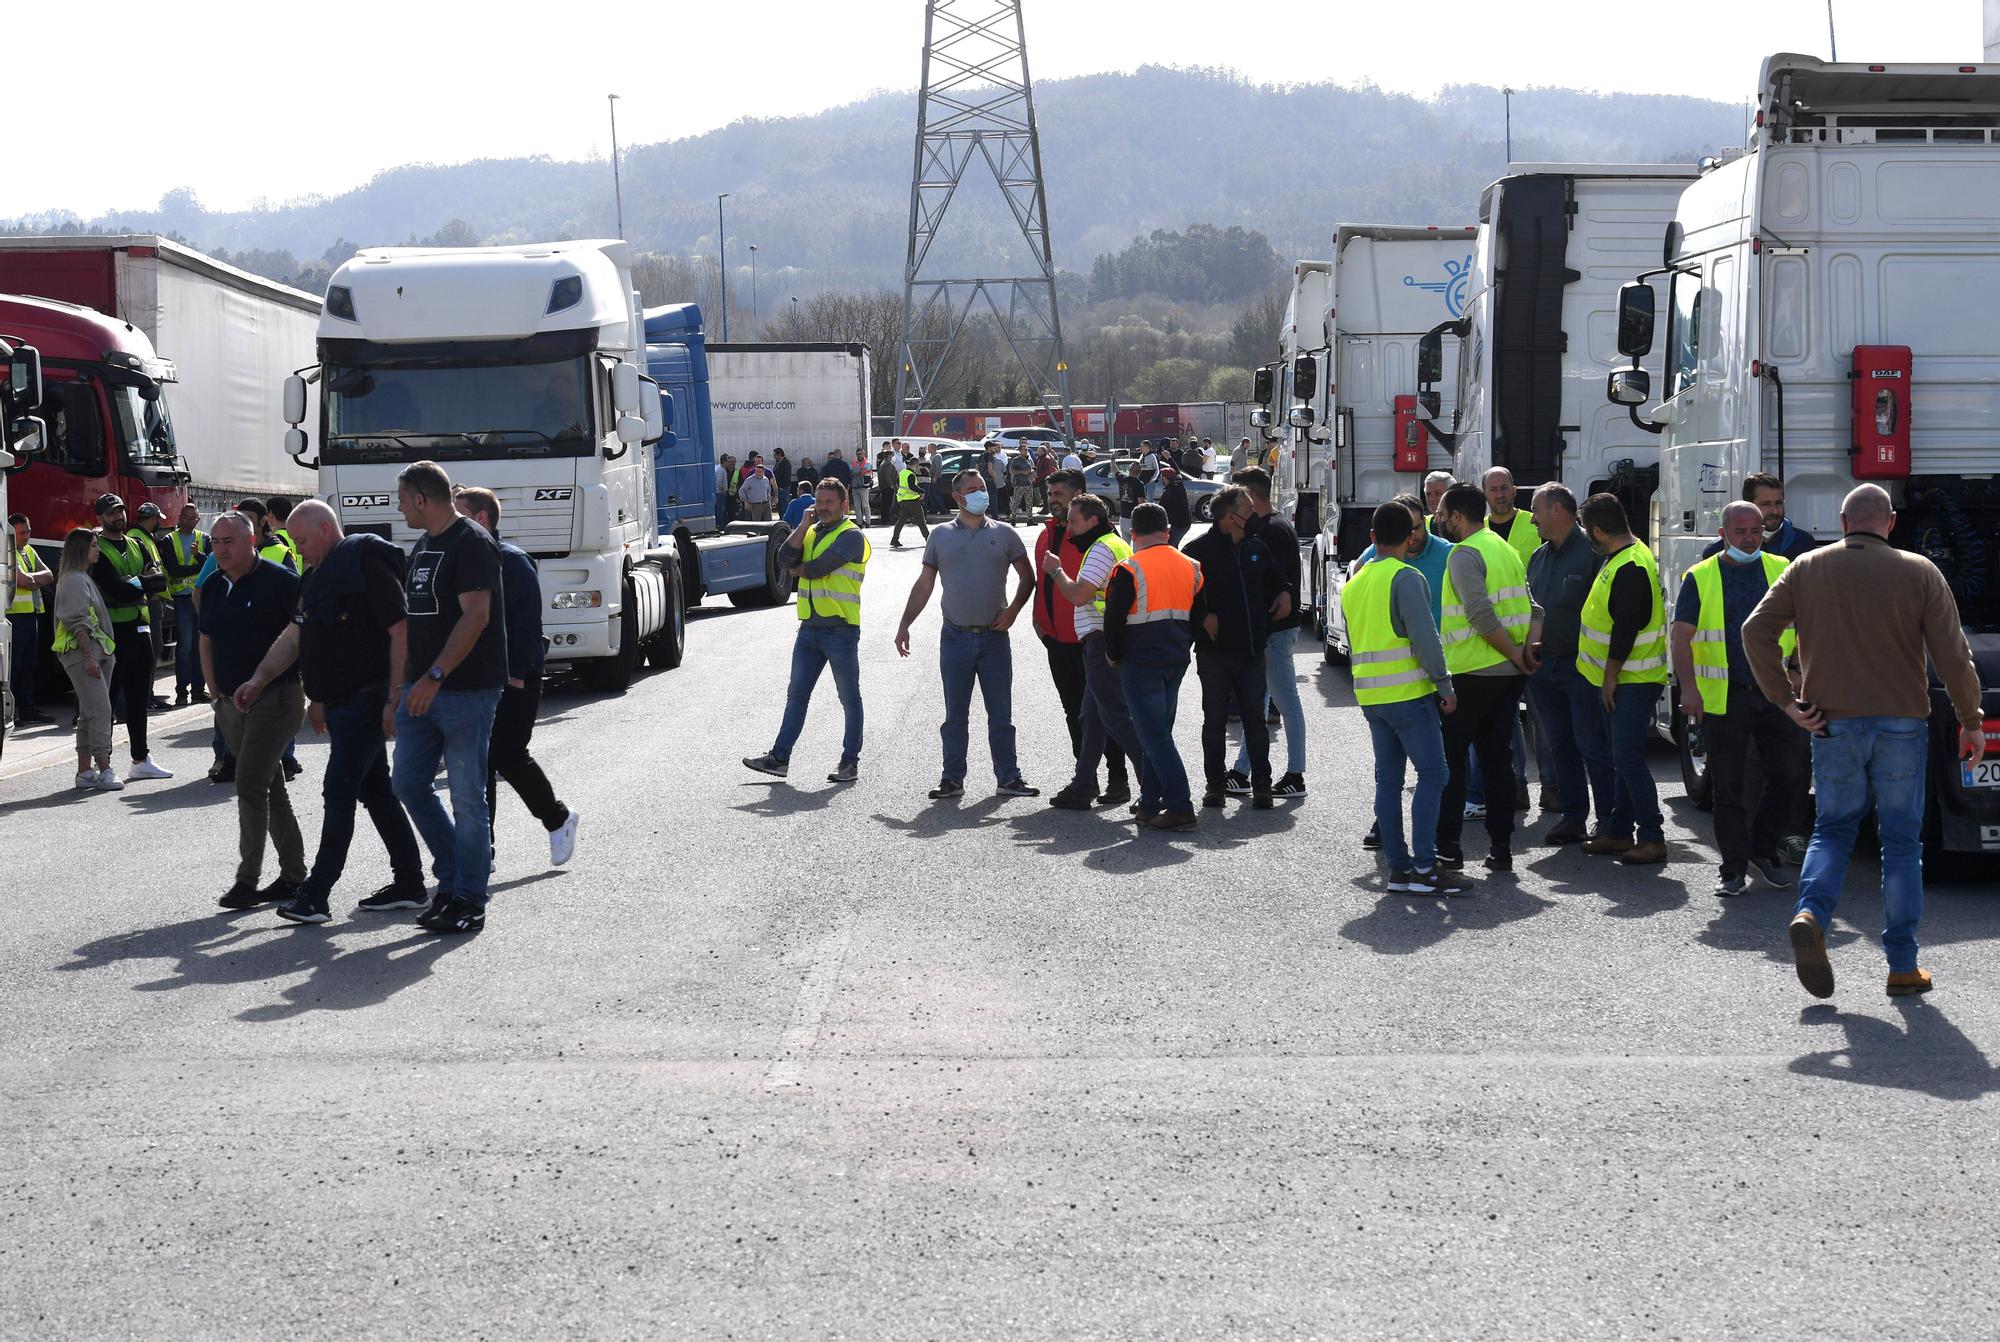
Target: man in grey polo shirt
<point x="973" y="555"/>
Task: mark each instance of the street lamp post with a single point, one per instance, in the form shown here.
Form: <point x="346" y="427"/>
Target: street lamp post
<point x="1508" y="94"/>
<point x="795" y="316"/>
<point x="753" y="290"/>
<point x="722" y="246"/>
<point x="617" y="188"/>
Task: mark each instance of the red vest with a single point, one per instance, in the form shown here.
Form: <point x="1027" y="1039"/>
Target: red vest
<point x="1055" y="617"/>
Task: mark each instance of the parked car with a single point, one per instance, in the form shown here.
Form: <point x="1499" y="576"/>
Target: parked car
<point x="1102" y="480"/>
<point x="1030" y="438"/>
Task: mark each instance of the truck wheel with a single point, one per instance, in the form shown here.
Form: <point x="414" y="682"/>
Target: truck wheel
<point x="669" y="646"/>
<point x="613" y="675"/>
<point x="778" y="583"/>
<point x="1694" y="763"/>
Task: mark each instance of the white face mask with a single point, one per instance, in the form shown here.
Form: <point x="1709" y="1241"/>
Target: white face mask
<point x="1741" y="556"/>
<point x="976" y="502"/>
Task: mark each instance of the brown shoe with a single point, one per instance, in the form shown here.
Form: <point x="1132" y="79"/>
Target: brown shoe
<point x="1809" y="953"/>
<point x="1174" y="820"/>
<point x="1643" y="855"/>
<point x="1909" y="982"/>
<point x="1599" y="846"/>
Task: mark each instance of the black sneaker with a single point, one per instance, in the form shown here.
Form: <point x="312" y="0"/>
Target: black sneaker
<point x="392" y="897"/>
<point x="1117" y="792"/>
<point x="1236" y="784"/>
<point x="292" y="769"/>
<point x="1450" y="859"/>
<point x="948" y="787"/>
<point x="845" y="772"/>
<point x="225" y="774"/>
<point x="305" y="907"/>
<point x="454" y="916"/>
<point x="1260" y="797"/>
<point x="1073" y="798"/>
<point x="1500" y="859"/>
<point x="1771" y="870"/>
<point x="1372" y="840"/>
<point x="1214" y="796"/>
<point x="1017" y="786"/>
<point x="241" y="896"/>
<point x="1405" y="881"/>
<point x="767" y="764"/>
<point x="279" y="891"/>
<point x="1438" y="881"/>
<point x="1291" y="785"/>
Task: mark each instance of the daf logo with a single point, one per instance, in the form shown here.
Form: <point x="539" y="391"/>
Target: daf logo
<point x="1989" y="836"/>
<point x="553" y="495"/>
<point x="366" y="500"/>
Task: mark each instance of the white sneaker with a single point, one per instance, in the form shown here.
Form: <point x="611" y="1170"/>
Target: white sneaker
<point x="562" y="842"/>
<point x="87" y="781"/>
<point x="107" y="781"/>
<point x="145" y="768"/>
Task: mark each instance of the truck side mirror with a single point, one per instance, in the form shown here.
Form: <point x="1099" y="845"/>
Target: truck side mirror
<point x="295" y="402"/>
<point x="1261" y="393"/>
<point x="1635" y="319"/>
<point x="1430" y="358"/>
<point x="659" y="408"/>
<point x="295" y="442"/>
<point x="31" y="438"/>
<point x="1432" y="403"/>
<point x="631" y="429"/>
<point x="1629" y="387"/>
<point x="625" y="393"/>
<point x="24" y="378"/>
<point x="1260" y="418"/>
<point x="1305" y="377"/>
<point x="1302" y="417"/>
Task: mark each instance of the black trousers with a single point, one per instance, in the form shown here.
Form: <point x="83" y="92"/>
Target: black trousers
<point x="1066" y="669"/>
<point x="135" y="681"/>
<point x="1233" y="684"/>
<point x="507" y="757"/>
<point x="1781" y="751"/>
<point x="1483" y="724"/>
<point x="909" y="510"/>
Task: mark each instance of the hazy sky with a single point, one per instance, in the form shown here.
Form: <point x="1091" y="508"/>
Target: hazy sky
<point x="240" y="101"/>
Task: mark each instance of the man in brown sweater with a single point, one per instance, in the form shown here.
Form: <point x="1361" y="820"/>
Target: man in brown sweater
<point x="1867" y="615"/>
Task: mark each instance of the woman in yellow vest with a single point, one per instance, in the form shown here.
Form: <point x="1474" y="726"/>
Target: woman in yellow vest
<point x="1401" y="682"/>
<point x="1622" y="649"/>
<point x="87" y="648"/>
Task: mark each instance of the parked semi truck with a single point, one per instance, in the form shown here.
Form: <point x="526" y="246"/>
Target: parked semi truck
<point x="21" y="440"/>
<point x="1829" y="320"/>
<point x="519" y="369"/>
<point x="121" y="319"/>
<point x="1385" y="288"/>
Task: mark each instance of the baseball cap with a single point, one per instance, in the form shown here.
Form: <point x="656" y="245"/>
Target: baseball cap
<point x="150" y="509"/>
<point x="107" y="503"/>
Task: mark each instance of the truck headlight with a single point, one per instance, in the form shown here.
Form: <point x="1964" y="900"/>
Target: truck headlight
<point x="576" y="600"/>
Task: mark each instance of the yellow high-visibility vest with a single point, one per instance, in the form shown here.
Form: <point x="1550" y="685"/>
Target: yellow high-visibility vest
<point x="1386" y="669"/>
<point x="1506" y="587"/>
<point x="839" y="592"/>
<point x="1711" y="644"/>
<point x="1646" y="664"/>
<point x="27" y="600"/>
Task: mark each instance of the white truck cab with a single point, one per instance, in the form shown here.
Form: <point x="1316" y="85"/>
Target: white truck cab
<point x="519" y="369"/>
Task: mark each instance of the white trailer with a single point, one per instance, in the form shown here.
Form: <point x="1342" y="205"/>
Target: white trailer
<point x="519" y="369"/>
<point x="1388" y="286"/>
<point x="805" y="398"/>
<point x="1829" y="318"/>
<point x="231" y="335"/>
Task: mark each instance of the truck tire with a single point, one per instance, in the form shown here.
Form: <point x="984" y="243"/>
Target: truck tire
<point x="669" y="646"/>
<point x="778" y="582"/>
<point x="1694" y="763"/>
<point x="613" y="675"/>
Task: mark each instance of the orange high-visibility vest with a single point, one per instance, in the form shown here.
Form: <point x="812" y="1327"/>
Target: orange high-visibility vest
<point x="1164" y="582"/>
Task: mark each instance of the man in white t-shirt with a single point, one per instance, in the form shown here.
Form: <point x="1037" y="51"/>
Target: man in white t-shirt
<point x="1149" y="473"/>
<point x="1071" y="461"/>
<point x="1208" y="457"/>
<point x="1104" y="712"/>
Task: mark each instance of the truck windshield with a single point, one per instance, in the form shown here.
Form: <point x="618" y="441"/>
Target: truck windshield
<point x="448" y="411"/>
<point x="145" y="431"/>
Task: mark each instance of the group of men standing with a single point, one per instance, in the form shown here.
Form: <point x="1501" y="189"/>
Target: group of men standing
<point x="1121" y="623"/>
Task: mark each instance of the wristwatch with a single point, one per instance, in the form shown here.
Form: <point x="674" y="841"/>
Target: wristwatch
<point x="436" y="673"/>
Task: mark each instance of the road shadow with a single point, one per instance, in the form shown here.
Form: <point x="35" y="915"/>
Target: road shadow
<point x="1629" y="892"/>
<point x="1922" y="1052"/>
<point x="1400" y="924"/>
<point x="1754" y="923"/>
<point x="952" y="815"/>
<point x="181" y="795"/>
<point x="1110" y="839"/>
<point x="1336" y="689"/>
<point x="70" y="795"/>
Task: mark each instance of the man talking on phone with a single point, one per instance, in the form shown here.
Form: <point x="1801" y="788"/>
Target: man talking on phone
<point x="829" y="556"/>
<point x="1867" y="615"/>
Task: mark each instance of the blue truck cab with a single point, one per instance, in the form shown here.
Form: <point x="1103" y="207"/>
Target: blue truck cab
<point x="739" y="560"/>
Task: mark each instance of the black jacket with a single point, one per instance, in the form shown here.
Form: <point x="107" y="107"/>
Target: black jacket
<point x="1282" y="543"/>
<point x="1238" y="584"/>
<point x="1174" y="499"/>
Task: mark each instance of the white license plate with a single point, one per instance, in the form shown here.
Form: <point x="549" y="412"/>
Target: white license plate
<point x="1986" y="773"/>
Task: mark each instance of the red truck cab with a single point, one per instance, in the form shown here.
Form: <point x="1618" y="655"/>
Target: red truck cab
<point x="108" y="430"/>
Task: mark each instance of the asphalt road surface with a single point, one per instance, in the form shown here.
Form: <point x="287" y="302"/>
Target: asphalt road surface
<point x="799" y="1060"/>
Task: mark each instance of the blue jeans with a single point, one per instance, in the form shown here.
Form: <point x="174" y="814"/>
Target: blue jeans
<point x="1407" y="732"/>
<point x="965" y="656"/>
<point x="357" y="773"/>
<point x="1635" y="799"/>
<point x="818" y="646"/>
<point x="1153" y="693"/>
<point x="1105" y="717"/>
<point x="1570" y="717"/>
<point x="1281" y="682"/>
<point x="457" y="728"/>
<point x="1861" y="760"/>
<point x="187" y="646"/>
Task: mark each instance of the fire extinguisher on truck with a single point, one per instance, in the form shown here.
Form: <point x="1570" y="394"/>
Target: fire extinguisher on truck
<point x="1881" y="382"/>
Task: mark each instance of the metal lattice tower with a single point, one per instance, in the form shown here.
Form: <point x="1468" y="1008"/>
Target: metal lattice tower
<point x="977" y="103"/>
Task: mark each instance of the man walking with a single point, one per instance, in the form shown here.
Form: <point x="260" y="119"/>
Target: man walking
<point x="246" y="604"/>
<point x="1057" y="624"/>
<point x="1868" y="616"/>
<point x="973" y="556"/>
<point x="456" y="669"/>
<point x="1622" y="652"/>
<point x="829" y="556"/>
<point x="1105" y="721"/>
<point x="1568" y="710"/>
<point x="1487" y="627"/>
<point x="347" y="637"/>
<point x="1239" y="459"/>
<point x="128" y="574"/>
<point x="521" y="698"/>
<point x="1240" y="586"/>
<point x="909" y="507"/>
<point x="755" y="491"/>
<point x="1149" y="612"/>
<point x="32" y="581"/>
<point x="183" y="551"/>
<point x="1281" y="680"/>
<point x="1719" y="697"/>
<point x="1020" y="484"/>
<point x="1399" y="672"/>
